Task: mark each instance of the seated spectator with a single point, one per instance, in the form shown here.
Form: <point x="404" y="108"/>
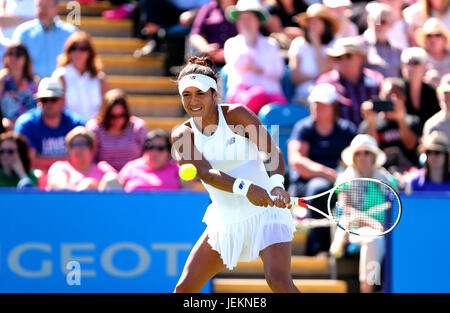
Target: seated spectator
<point x="397" y="34"/>
<point x="80" y="172"/>
<point x="421" y="98"/>
<point x="254" y="62"/>
<point x="14" y="13"/>
<point x="383" y="56"/>
<point x="17" y="83"/>
<point x="44" y="37"/>
<point x="417" y="14"/>
<point x="46" y="126"/>
<point x="435" y="174"/>
<point x="120" y="135"/>
<point x="340" y="9"/>
<point x="441" y="120"/>
<point x="281" y="25"/>
<point x="354" y="82"/>
<point x="155" y="170"/>
<point x="396" y="131"/>
<point x="314" y="151"/>
<point x="158" y="17"/>
<point x="211" y="29"/>
<point x="435" y="39"/>
<point x="363" y="160"/>
<point x="15" y="163"/>
<point x="80" y="72"/>
<point x="307" y="54"/>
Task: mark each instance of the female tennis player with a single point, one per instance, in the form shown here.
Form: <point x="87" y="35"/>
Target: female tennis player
<point x="243" y="222"/>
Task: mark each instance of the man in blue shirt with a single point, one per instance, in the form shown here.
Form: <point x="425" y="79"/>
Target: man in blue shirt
<point x="44" y="37"/>
<point x="46" y="126"/>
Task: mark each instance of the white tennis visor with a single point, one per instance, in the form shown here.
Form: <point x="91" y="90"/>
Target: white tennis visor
<point x="200" y="81"/>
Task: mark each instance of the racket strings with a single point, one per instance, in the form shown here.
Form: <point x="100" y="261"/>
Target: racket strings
<point x="364" y="206"/>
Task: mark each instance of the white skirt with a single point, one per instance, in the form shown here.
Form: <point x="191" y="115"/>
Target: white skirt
<point x="242" y="241"/>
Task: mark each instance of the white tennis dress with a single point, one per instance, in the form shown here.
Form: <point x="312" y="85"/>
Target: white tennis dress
<point x="237" y="229"/>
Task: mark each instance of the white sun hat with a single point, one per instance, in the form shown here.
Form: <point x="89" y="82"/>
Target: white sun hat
<point x="363" y="142"/>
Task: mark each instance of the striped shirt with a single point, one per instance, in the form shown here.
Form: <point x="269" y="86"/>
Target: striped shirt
<point x="118" y="150"/>
<point x="350" y="95"/>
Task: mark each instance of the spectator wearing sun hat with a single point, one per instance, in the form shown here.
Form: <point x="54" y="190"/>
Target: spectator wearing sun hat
<point x="354" y="82"/>
<point x="435" y="174"/>
<point x="340" y="9"/>
<point x="434" y="37"/>
<point x="254" y="63"/>
<point x="441" y="120"/>
<point x="314" y="151"/>
<point x="307" y="54"/>
<point x="421" y="98"/>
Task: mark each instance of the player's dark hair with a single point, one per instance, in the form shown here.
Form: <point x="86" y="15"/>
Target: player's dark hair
<point x="198" y="65"/>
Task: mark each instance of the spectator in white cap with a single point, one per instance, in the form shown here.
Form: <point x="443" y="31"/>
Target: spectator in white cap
<point x="46" y="126"/>
<point x="314" y="151"/>
<point x="341" y="10"/>
<point x="441" y="120"/>
<point x="421" y="97"/>
<point x="363" y="159"/>
<point x="254" y="63"/>
<point x="383" y="55"/>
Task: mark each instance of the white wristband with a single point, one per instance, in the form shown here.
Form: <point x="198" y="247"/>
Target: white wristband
<point x="241" y="186"/>
<point x="277" y="180"/>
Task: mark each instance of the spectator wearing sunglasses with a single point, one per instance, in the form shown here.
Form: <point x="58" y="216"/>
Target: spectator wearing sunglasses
<point x="435" y="174"/>
<point x="421" y="97"/>
<point x="46" y="126"/>
<point x="44" y="36"/>
<point x="155" y="170"/>
<point x="441" y="120"/>
<point x="17" y="83"/>
<point x="435" y="39"/>
<point x="354" y="82"/>
<point x="15" y="163"/>
<point x="80" y="172"/>
<point x="120" y="135"/>
<point x="80" y="72"/>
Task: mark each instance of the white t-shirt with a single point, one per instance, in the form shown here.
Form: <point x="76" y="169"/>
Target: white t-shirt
<point x="83" y="92"/>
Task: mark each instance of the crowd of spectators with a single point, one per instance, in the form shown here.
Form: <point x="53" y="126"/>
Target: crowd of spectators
<point x="375" y="77"/>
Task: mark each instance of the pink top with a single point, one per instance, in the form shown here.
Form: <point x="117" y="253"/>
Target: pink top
<point x="138" y="176"/>
<point x="75" y="176"/>
<point x="118" y="150"/>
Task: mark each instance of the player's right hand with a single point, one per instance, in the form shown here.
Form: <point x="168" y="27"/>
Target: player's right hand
<point x="259" y="196"/>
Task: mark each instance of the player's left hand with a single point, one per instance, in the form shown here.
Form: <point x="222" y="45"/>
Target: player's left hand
<point x="282" y="198"/>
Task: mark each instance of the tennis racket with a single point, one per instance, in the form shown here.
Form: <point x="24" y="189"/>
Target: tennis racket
<point x="360" y="206"/>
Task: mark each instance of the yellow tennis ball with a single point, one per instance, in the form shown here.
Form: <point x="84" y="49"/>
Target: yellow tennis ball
<point x="187" y="171"/>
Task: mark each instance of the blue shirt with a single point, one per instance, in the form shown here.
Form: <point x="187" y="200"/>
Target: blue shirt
<point x="420" y="183"/>
<point x="44" y="45"/>
<point x="45" y="140"/>
<point x="325" y="150"/>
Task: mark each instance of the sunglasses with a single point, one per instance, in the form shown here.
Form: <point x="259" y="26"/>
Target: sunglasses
<point x="435" y="152"/>
<point x="346" y="56"/>
<point x="365" y="152"/>
<point x="117" y="116"/>
<point x="414" y="62"/>
<point x="48" y="100"/>
<point x="16" y="53"/>
<point x="7" y="151"/>
<point x="438" y="35"/>
<point x="155" y="147"/>
<point x="79" y="48"/>
<point x="80" y="144"/>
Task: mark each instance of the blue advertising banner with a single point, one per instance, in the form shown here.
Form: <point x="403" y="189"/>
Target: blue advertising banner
<point x="420" y="251"/>
<point x="97" y="242"/>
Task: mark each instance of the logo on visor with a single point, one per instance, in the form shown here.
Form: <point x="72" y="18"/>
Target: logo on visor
<point x="193" y="77"/>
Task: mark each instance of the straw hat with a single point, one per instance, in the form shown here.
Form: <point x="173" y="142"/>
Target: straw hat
<point x="436" y="141"/>
<point x="320" y="11"/>
<point x="353" y="45"/>
<point x="254" y="6"/>
<point x="363" y="142"/>
<point x="432" y="26"/>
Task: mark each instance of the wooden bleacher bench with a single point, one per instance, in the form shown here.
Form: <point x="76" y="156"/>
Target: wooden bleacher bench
<point x="102" y="27"/>
<point x="87" y="9"/>
<point x="167" y="123"/>
<point x="155" y="105"/>
<point x="140" y="84"/>
<point x="117" y="45"/>
<point x="233" y="285"/>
